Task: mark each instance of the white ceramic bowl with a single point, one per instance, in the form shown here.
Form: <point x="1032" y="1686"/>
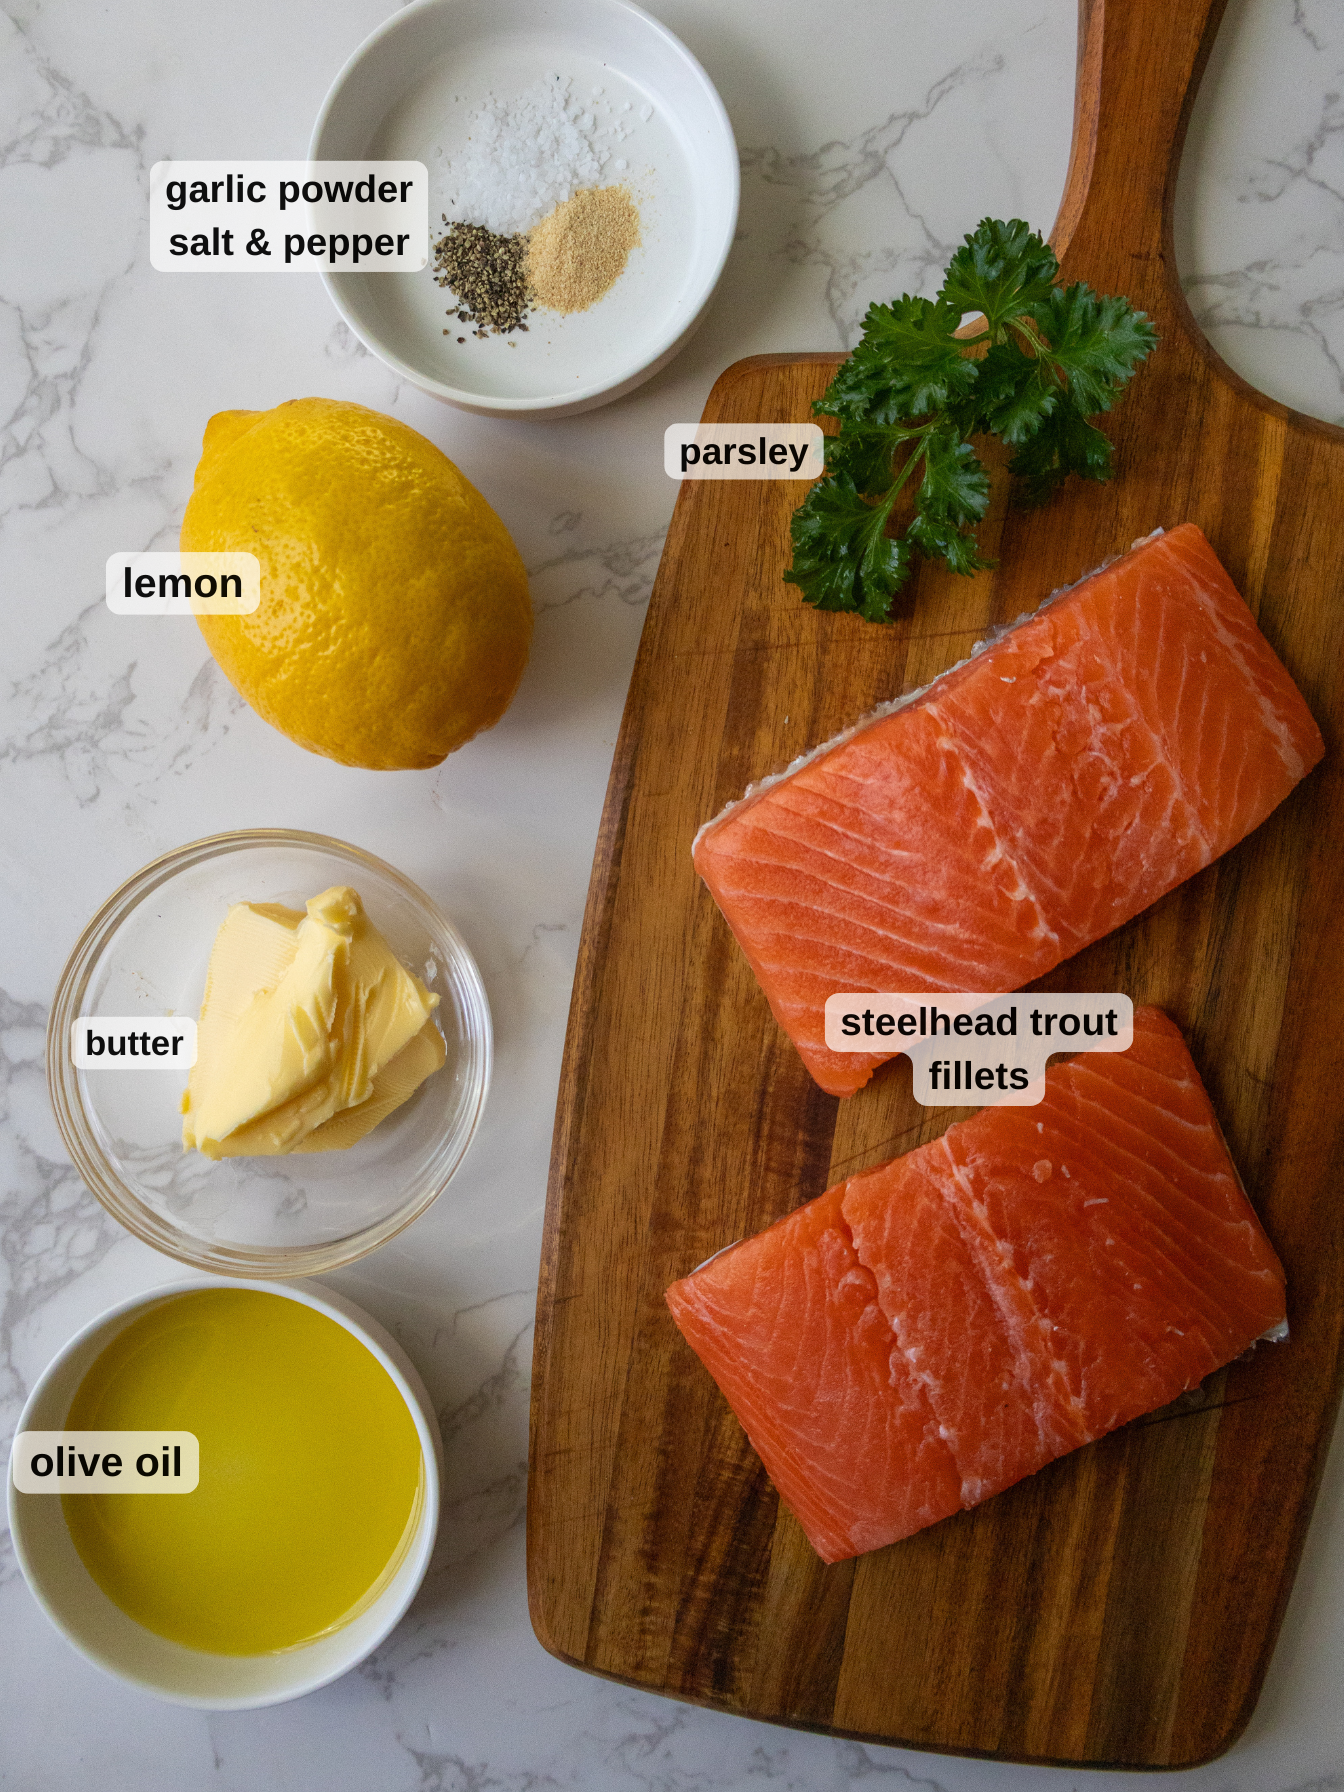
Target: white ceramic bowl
<point x="146" y="952"/>
<point x="103" y="1633"/>
<point x="408" y="93"/>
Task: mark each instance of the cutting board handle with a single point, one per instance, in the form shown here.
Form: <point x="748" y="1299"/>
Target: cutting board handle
<point x="1139" y="67"/>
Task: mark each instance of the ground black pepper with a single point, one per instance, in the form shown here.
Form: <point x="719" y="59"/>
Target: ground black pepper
<point x="487" y="275"/>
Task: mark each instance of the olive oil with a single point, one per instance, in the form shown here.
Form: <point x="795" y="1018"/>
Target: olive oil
<point x="311" y="1483"/>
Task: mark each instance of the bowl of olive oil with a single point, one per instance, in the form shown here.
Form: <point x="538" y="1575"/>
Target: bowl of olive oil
<point x="313" y="1513"/>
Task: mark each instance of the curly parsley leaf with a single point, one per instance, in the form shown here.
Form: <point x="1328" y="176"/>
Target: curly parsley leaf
<point x="868" y="454"/>
<point x="910" y="398"/>
<point x="1065" y="443"/>
<point x="1013" y="396"/>
<point x="953" y="495"/>
<point x="1000" y="270"/>
<point x="842" y="556"/>
<point x="1095" y="342"/>
<point x="908" y="361"/>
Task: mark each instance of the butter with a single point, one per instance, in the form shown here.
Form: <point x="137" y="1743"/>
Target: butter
<point x="310" y="1034"/>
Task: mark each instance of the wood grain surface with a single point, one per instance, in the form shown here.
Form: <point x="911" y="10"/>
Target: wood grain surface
<point x="1120" y="1606"/>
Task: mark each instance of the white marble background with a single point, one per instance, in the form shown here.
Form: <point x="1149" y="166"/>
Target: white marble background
<point x="873" y="133"/>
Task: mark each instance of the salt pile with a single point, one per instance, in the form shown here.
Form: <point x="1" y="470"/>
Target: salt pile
<point x="525" y="156"/>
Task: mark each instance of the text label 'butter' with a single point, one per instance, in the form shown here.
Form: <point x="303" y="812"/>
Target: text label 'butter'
<point x="132" y="1042"/>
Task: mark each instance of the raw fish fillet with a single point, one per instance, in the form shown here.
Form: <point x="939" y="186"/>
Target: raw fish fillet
<point x="927" y="1333"/>
<point x="1024" y="804"/>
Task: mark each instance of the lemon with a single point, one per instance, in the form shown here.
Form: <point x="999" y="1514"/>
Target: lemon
<point x="394" y="620"/>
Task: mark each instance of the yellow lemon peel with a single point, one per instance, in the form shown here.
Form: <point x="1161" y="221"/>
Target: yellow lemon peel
<point x="395" y="619"/>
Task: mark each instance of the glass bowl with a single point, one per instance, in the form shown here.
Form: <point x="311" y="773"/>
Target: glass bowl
<point x="146" y="952"/>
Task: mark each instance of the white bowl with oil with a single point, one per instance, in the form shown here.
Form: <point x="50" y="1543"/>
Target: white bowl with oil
<point x="105" y="1635"/>
<point x="408" y="94"/>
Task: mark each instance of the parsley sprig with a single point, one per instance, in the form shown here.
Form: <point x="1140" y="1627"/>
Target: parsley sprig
<point x="910" y="397"/>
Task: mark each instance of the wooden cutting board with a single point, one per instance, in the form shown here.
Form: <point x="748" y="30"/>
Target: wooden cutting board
<point x="1119" y="1607"/>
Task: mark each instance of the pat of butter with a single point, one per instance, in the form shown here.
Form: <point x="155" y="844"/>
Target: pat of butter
<point x="310" y="1033"/>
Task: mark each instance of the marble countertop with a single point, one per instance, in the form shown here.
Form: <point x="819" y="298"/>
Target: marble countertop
<point x="868" y="148"/>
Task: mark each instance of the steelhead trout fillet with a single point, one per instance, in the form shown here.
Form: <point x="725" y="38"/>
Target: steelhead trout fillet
<point x="1027" y="802"/>
<point x="927" y="1333"/>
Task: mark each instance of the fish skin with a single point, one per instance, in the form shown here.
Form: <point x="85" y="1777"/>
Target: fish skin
<point x="1028" y="802"/>
<point x="931" y="1331"/>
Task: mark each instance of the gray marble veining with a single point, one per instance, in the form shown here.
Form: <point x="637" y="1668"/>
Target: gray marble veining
<point x="871" y="142"/>
<point x="1260" y="219"/>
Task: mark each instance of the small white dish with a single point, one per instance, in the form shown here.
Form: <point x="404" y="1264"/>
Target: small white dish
<point x="111" y="1640"/>
<point x="409" y="92"/>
